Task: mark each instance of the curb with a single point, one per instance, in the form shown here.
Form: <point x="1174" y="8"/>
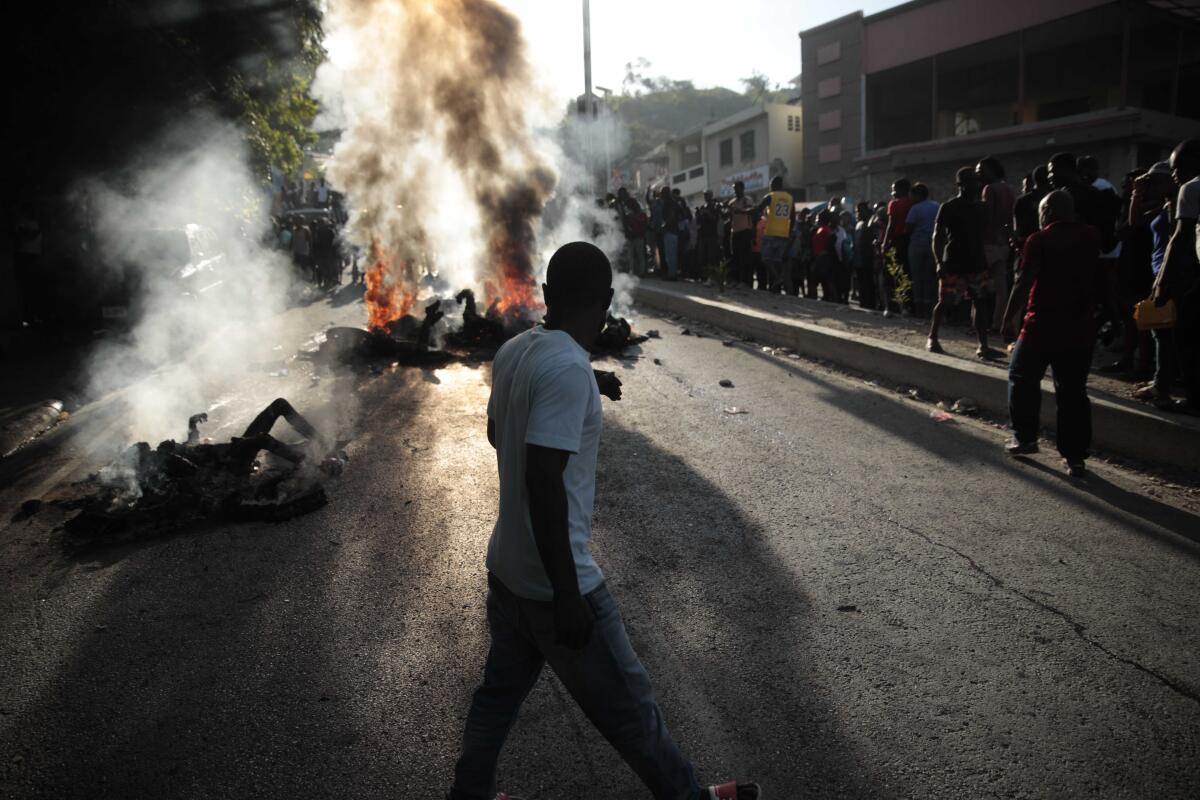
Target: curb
<point x="26" y="424"/>
<point x="1122" y="427"/>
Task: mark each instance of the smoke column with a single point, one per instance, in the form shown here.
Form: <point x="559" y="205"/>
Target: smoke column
<point x="437" y="155"/>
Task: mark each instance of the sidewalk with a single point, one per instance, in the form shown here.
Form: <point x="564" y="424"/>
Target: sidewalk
<point x="893" y="349"/>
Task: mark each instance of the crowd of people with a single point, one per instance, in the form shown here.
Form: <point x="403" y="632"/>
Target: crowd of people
<point x="1068" y="261"/>
<point x="308" y="217"/>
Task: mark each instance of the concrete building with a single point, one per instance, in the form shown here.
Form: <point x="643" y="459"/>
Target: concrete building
<point x="752" y="146"/>
<point x="924" y="88"/>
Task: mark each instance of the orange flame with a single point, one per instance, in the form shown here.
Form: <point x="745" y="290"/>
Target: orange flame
<point x="385" y="297"/>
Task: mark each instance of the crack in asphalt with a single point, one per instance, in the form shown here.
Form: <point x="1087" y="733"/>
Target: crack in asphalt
<point x="1078" y="627"/>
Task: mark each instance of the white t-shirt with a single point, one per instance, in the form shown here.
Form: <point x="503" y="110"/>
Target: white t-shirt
<point x="543" y="392"/>
<point x="1189" y="207"/>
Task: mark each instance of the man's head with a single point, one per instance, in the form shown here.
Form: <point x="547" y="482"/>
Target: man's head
<point x="968" y="185"/>
<point x="1058" y="206"/>
<point x="1041" y="177"/>
<point x="777" y="183"/>
<point x="1159" y="182"/>
<point x="920" y="192"/>
<point x="1185" y="161"/>
<point x="664" y="192"/>
<point x="1062" y="171"/>
<point x="622" y="194"/>
<point x="805" y="213"/>
<point x="989" y="170"/>
<point x="863" y="209"/>
<point x="578" y="289"/>
<point x="901" y="188"/>
<point x="708" y="195"/>
<point x="739" y="188"/>
<point x="1088" y="168"/>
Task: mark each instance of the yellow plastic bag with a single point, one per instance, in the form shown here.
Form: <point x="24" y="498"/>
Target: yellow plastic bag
<point x="1149" y="317"/>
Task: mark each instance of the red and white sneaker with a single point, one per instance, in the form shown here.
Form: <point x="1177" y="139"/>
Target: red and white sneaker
<point x="734" y="791"/>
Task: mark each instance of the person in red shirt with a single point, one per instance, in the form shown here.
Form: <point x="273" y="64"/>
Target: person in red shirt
<point x="825" y="259"/>
<point x="1061" y="275"/>
<point x="896" y="233"/>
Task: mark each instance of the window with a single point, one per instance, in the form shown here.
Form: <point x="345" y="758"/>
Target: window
<point x="829" y="87"/>
<point x="900" y="105"/>
<point x="829" y="120"/>
<point x="977" y="87"/>
<point x="828" y="53"/>
<point x="746" y="146"/>
<point x="726" y="152"/>
<point x="1090" y="42"/>
<point x="828" y="153"/>
<point x="791" y="123"/>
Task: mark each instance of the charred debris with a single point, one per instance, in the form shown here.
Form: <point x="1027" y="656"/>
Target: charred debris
<point x="407" y="341"/>
<point x="150" y="491"/>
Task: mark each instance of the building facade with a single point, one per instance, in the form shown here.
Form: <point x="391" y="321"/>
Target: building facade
<point x="752" y="146"/>
<point x="927" y="87"/>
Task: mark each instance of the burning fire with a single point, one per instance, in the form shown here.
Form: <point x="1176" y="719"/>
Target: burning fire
<point x="385" y="297"/>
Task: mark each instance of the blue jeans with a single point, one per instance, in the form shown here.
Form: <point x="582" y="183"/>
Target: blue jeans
<point x="1074" y="419"/>
<point x="606" y="679"/>
<point x="923" y="272"/>
<point x="671" y="253"/>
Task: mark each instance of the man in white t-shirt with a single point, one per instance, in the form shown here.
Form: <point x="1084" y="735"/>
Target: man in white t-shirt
<point x="1179" y="279"/>
<point x="547" y="601"/>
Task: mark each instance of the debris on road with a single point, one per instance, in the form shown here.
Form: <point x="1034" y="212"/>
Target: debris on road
<point x="847" y="608"/>
<point x="654" y="334"/>
<point x="254" y="477"/>
<point x="728" y="384"/>
<point x="616" y="337"/>
<point x="735" y="410"/>
<point x="965" y="405"/>
<point x="685" y="332"/>
<point x="728" y="342"/>
<point x="940" y="416"/>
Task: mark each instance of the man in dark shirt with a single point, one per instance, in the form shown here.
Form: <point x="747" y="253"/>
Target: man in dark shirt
<point x="1093" y="207"/>
<point x="962" y="268"/>
<point x="1063" y="281"/>
<point x="707" y="218"/>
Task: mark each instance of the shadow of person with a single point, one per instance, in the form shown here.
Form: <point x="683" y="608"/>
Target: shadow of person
<point x="1176" y="520"/>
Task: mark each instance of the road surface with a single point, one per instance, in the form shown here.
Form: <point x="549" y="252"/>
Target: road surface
<point x="835" y="594"/>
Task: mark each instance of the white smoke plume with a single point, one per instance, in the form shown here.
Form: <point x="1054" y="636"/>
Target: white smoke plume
<point x="190" y="328"/>
<point x="447" y="154"/>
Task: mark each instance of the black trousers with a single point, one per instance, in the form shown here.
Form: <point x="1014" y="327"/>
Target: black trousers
<point x="1074" y="423"/>
<point x="743" y="268"/>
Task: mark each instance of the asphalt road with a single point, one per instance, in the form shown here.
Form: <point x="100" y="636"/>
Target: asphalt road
<point x="834" y="593"/>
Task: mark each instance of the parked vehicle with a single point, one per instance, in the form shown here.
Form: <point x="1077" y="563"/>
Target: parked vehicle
<point x="188" y="260"/>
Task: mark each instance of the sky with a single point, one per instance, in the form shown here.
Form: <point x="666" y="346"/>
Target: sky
<point x="710" y="42"/>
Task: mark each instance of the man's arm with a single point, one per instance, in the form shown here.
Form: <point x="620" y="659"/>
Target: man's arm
<point x="1180" y="247"/>
<point x="1020" y="291"/>
<point x="887" y="230"/>
<point x="548" y="517"/>
<point x="492" y="432"/>
<point x="939" y="241"/>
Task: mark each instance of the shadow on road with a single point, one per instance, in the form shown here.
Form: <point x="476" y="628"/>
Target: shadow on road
<point x="229" y="662"/>
<point x="708" y="602"/>
<point x="1174" y="527"/>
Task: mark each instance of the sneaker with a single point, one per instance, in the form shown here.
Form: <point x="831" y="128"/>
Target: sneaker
<point x="732" y="791"/>
<point x="934" y="346"/>
<point x="1015" y="447"/>
<point x="1076" y="467"/>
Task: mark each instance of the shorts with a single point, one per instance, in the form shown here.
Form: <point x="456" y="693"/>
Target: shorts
<point x="775" y="248"/>
<point x="952" y="288"/>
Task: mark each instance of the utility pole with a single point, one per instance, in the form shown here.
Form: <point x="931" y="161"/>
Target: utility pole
<point x="588" y="107"/>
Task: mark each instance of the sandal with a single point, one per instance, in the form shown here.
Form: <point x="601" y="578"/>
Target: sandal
<point x="733" y="791"/>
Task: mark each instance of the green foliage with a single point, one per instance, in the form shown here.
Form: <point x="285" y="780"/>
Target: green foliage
<point x="902" y="290"/>
<point x="657" y="108"/>
<point x="719" y="273"/>
<point x="276" y="115"/>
